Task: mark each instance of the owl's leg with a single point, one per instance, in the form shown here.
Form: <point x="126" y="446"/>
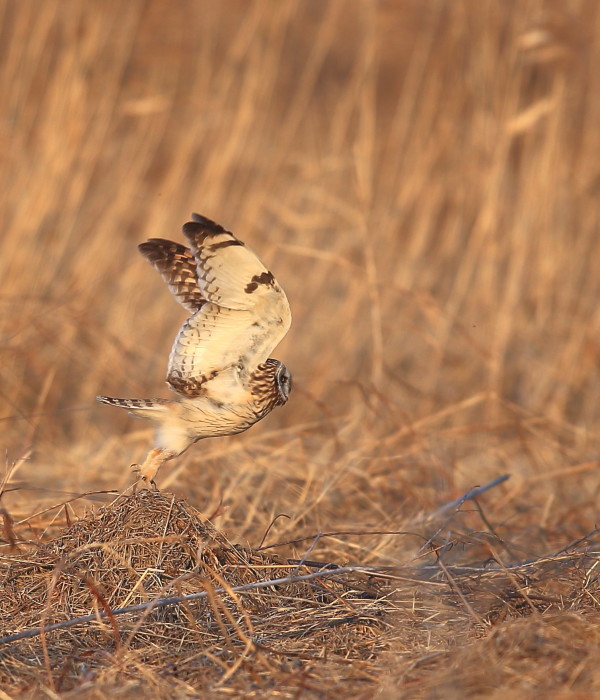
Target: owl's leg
<point x="152" y="464"/>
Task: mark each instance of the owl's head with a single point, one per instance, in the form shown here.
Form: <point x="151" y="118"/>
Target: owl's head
<point x="271" y="384"/>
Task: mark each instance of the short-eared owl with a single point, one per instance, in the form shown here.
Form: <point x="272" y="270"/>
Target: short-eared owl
<point x="219" y="366"/>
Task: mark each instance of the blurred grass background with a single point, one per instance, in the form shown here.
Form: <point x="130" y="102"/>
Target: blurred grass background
<point x="422" y="178"/>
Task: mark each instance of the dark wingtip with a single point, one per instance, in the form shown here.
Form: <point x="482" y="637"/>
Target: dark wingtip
<point x="152" y="248"/>
<point x="157" y="241"/>
<point x="200" y="224"/>
<point x="199" y="219"/>
<point x="156" y="247"/>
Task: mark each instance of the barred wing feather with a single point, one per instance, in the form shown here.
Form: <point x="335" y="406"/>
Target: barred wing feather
<point x="177" y="267"/>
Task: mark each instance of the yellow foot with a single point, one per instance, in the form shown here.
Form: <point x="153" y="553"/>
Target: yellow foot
<point x="148" y="470"/>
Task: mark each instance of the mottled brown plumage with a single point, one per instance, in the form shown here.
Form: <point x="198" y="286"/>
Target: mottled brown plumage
<point x="177" y="266"/>
<point x="219" y="366"/>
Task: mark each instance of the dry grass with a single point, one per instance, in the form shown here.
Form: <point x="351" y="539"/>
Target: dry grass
<point x="151" y="546"/>
<point x="423" y="179"/>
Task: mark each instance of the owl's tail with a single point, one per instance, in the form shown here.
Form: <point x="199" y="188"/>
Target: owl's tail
<point x="147" y="409"/>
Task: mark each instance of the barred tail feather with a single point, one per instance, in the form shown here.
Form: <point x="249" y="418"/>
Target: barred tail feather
<point x="147" y="409"/>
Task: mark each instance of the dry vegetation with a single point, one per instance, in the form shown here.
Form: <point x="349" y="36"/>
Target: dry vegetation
<point x="423" y="178"/>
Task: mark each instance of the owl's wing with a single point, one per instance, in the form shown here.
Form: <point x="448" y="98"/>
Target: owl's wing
<point x="229" y="273"/>
<point x="213" y="340"/>
<point x="246" y="314"/>
<point x="177" y="267"/>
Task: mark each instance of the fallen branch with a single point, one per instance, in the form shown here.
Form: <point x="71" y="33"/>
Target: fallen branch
<point x="468" y="496"/>
<point x="164" y="602"/>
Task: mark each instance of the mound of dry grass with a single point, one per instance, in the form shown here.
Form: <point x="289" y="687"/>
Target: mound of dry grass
<point x="152" y="546"/>
<point x="170" y="606"/>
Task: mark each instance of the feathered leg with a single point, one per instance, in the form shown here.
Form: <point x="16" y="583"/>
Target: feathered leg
<point x="153" y="462"/>
<point x="153" y="410"/>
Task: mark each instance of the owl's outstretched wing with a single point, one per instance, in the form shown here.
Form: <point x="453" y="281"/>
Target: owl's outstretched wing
<point x="229" y="273"/>
<point x="177" y="267"/>
<point x="245" y="316"/>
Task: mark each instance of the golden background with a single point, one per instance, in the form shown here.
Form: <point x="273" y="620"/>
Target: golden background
<point x="422" y="177"/>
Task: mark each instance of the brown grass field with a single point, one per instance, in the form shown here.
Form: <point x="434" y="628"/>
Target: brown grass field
<point x="423" y="177"/>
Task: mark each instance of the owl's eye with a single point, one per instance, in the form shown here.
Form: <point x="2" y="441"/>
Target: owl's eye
<point x="284" y="382"/>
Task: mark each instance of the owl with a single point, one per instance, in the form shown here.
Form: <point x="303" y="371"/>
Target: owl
<point x="219" y="368"/>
